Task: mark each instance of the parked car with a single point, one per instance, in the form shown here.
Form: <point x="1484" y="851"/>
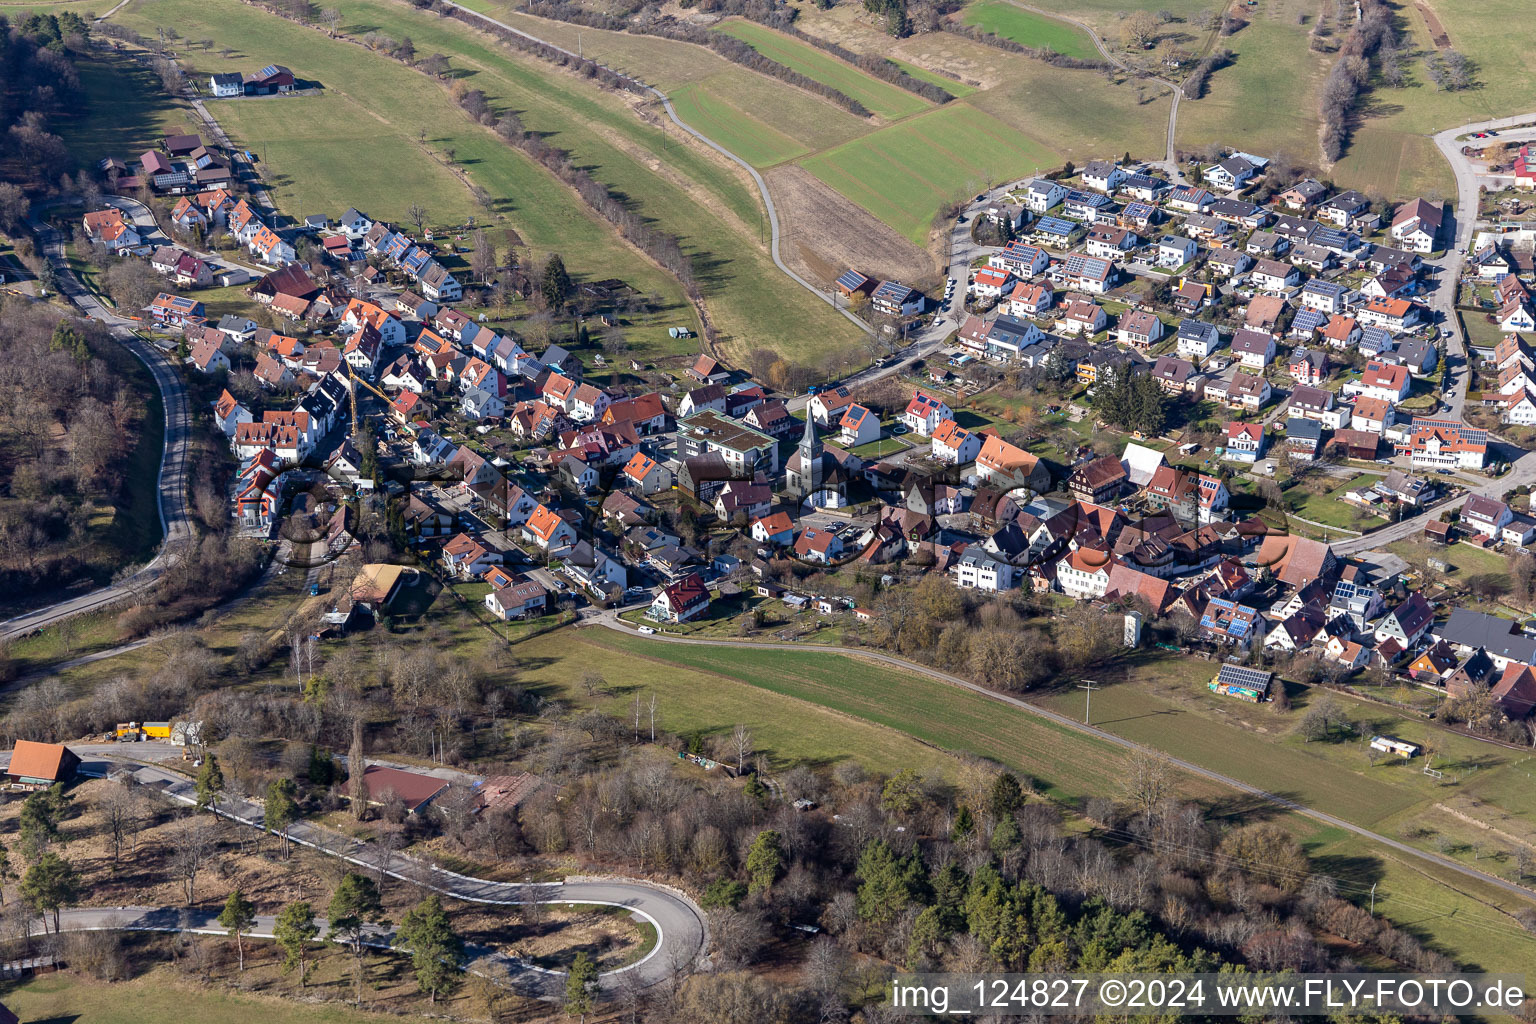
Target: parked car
<point x="647" y="630"/>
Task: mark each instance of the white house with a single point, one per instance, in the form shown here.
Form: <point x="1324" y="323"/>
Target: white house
<point x="924" y="414"/>
<point x="1103" y="176"/>
<point x="1041" y="195"/>
<point x="955" y="445"/>
<point x="858" y="426"/>
<point x="977" y="569"/>
<point x="1175" y="251"/>
<point x="1197" y="339"/>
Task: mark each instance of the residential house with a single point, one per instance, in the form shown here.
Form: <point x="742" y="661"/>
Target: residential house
<point x="1103" y="175"/>
<point x="1140" y="328"/>
<point x="1088" y="274"/>
<point x="955" y="445"/>
<point x="1009" y="336"/>
<point x="1373" y="415"/>
<point x="1395" y="314"/>
<point x="1175" y="251"/>
<point x="1084" y="573"/>
<point x="1176" y="376"/>
<point x="1264" y="312"/>
<point x="176" y="311"/>
<point x="1323" y="295"/>
<point x="1021" y="260"/>
<point x="978" y="569"/>
<point x="1245" y="442"/>
<point x="1041" y="195"/>
<point x="1254" y="349"/>
<point x="1314" y="403"/>
<point x="1110" y="243"/>
<point x="1229" y="263"/>
<point x="776" y="529"/>
<point x="826" y="406"/>
<point x="1308" y="366"/>
<point x="524" y="599"/>
<point x="743" y="501"/>
<point x="989" y="283"/>
<point x="1197" y="339"/>
<point x="1274" y="276"/>
<point x="893" y="298"/>
<point x="1446" y="444"/>
<point x="858" y="426"/>
<point x="1190" y="199"/>
<point x="1029" y="299"/>
<point x="1248" y="391"/>
<point x="682" y="601"/>
<point x="1081" y="317"/>
<point x="1417" y="225"/>
<point x="110" y="229"/>
<point x="924" y="413"/>
<point x="818" y="546"/>
<point x="1229" y="174"/>
<point x="1303" y="437"/>
<point x="1098" y="481"/>
<point x="646" y="475"/>
<point x="467" y="557"/>
<point x="1010" y="466"/>
<point x="1340" y="332"/>
<point x="548" y="531"/>
<point x="1382" y="380"/>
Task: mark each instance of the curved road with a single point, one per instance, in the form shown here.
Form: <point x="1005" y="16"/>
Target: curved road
<point x="613" y="622"/>
<point x="681" y="931"/>
<point x="171" y="494"/>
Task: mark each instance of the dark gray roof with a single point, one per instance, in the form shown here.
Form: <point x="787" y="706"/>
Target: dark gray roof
<point x="1306" y="430"/>
<point x="1490" y="633"/>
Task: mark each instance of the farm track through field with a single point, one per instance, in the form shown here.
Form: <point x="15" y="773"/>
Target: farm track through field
<point x="1169" y="165"/>
<point x="762" y="186"/>
<point x="613" y="622"/>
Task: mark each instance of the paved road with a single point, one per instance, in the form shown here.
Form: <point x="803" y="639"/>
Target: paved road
<point x="613" y="622"/>
<point x="682" y="933"/>
<point x="171" y="495"/>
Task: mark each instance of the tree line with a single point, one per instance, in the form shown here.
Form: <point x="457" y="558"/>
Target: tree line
<point x="1351" y="74"/>
<point x="729" y="47"/>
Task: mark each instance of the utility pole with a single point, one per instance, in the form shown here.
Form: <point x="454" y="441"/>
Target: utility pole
<point x="1373" y="899"/>
<point x="1088" y="685"/>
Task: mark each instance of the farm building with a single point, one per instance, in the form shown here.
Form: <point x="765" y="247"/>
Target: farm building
<point x="40" y="765"/>
<point x="413" y="788"/>
<point x="1250" y="684"/>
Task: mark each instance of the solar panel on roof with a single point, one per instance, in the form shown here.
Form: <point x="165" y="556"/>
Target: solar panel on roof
<point x="1242" y="676"/>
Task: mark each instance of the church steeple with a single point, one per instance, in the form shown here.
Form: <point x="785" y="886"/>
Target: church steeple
<point x="810" y="444"/>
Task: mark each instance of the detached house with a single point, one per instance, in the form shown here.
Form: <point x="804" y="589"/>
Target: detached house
<point x="1098" y="481"/>
<point x="1417" y="225"/>
<point x="1254" y="349"/>
<point x="954" y="444"/>
<point x="1381" y="380"/>
<point x="1175" y="251"/>
<point x="108" y="227"/>
<point x="924" y="414"/>
<point x="1274" y="276"/>
<point x="1198" y="339"/>
<point x="1140" y="328"/>
<point x="1308" y="366"/>
<point x="1103" y="176"/>
<point x="682" y="601"/>
<point x="1245" y="442"/>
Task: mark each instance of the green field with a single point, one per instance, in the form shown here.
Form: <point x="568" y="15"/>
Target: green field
<point x="57" y="998"/>
<point x="1027" y="28"/>
<point x="884" y="99"/>
<point x="949" y="85"/>
<point x="713" y="210"/>
<point x="326" y="152"/>
<point x="125" y="111"/>
<point x="713" y="688"/>
<point x="905" y="173"/>
<point x="759" y="144"/>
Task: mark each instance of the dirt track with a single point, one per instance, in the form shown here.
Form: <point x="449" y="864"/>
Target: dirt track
<point x="824" y="234"/>
<point x="1437" y="33"/>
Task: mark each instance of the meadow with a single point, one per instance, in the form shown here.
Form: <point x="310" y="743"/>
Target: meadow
<point x="882" y="98"/>
<point x="708" y="689"/>
<point x="674" y="183"/>
<point x="759" y="144"/>
<point x="903" y="174"/>
<point x="1027" y="28"/>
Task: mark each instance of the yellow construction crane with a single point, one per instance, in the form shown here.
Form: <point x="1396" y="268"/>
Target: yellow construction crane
<point x="353" y="380"/>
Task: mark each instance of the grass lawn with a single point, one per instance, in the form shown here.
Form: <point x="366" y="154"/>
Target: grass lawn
<point x="327" y="152"/>
<point x="66" y="997"/>
<point x="1329" y="508"/>
<point x="125" y="111"/>
<point x="1030" y="29"/>
<point x="883" y="447"/>
<point x="905" y="173"/>
<point x="882" y="98"/>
